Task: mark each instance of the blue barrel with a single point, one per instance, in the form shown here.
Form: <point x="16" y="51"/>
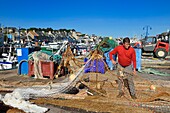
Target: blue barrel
<point x="138" y="58"/>
<point x="22" y="54"/>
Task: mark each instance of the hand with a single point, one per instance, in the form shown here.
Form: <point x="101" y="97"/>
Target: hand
<point x="113" y="62"/>
<point x="134" y="71"/>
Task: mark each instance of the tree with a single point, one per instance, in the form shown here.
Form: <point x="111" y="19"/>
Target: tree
<point x="33" y="28"/>
<point x="73" y="30"/>
<point x="39" y="29"/>
<point x="22" y="29"/>
<point x="49" y="29"/>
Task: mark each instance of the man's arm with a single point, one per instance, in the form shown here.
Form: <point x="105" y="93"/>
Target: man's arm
<point x="114" y="51"/>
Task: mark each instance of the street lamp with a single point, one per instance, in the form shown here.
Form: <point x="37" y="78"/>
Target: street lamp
<point x="147" y="30"/>
<point x="19" y="33"/>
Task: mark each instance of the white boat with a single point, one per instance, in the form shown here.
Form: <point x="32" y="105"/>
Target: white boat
<point x="6" y="65"/>
<point x="54" y="46"/>
<point x="7" y="61"/>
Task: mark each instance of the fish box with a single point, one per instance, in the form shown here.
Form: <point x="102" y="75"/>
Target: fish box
<point x="48" y="68"/>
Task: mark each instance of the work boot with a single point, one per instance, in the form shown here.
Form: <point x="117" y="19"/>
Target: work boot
<point x="120" y="95"/>
<point x="133" y="96"/>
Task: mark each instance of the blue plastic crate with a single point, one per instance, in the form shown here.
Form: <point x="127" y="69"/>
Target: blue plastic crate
<point x="138" y="58"/>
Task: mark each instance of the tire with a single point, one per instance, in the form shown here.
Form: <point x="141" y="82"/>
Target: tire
<point x="161" y="53"/>
<point x="72" y="90"/>
<point x="81" y="86"/>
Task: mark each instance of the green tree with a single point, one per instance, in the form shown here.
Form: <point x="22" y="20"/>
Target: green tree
<point x="49" y="29"/>
<point x="33" y="28"/>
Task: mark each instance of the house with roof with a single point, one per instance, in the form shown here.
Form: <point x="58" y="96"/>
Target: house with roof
<point x="33" y="35"/>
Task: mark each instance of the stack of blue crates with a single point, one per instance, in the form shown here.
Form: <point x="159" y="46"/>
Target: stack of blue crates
<point x="138" y="58"/>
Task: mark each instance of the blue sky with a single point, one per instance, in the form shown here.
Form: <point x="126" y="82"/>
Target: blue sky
<point x="116" y="18"/>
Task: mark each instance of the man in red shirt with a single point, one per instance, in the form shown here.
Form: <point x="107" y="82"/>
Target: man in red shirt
<point x="126" y="58"/>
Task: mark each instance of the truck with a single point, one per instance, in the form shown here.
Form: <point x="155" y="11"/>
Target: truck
<point x="155" y="45"/>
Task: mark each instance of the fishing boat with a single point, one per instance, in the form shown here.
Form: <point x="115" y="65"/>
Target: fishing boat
<point x="7" y="59"/>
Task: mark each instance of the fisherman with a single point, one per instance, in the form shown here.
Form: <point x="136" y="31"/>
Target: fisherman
<point x="126" y="67"/>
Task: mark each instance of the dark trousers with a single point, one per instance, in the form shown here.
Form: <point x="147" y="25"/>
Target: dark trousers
<point x="125" y="79"/>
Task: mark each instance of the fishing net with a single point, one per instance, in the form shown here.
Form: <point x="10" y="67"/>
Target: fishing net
<point x="62" y="86"/>
<point x="19" y="96"/>
<point x="51" y="56"/>
<point x="151" y="94"/>
<point x="107" y="44"/>
<point x="155" y="99"/>
<point x="69" y="63"/>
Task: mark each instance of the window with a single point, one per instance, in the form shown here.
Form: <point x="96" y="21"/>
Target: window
<point x="149" y="40"/>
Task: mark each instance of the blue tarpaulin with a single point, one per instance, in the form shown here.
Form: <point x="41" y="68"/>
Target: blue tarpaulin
<point x="96" y="66"/>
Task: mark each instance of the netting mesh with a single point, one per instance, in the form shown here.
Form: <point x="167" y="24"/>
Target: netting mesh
<point x="47" y="90"/>
<point x="156" y="99"/>
<point x="107" y="44"/>
<point x="51" y="56"/>
<point x="151" y="94"/>
<point x="18" y="96"/>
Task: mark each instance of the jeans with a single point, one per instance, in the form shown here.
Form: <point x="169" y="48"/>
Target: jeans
<point x="125" y="79"/>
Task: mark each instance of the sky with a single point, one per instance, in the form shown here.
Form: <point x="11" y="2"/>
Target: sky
<point x="116" y="18"/>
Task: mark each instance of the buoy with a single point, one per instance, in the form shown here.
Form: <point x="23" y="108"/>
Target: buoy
<point x="152" y="87"/>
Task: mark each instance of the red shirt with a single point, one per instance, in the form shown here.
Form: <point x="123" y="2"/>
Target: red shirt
<point x="125" y="57"/>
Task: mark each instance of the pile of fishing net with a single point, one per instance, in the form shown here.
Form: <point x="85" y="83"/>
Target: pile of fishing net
<point x="107" y="44"/>
<point x="50" y="55"/>
<point x="69" y="63"/>
<point x="19" y="97"/>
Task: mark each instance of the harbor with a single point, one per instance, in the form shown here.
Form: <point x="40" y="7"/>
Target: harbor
<point x="65" y="80"/>
<point x="89" y="56"/>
